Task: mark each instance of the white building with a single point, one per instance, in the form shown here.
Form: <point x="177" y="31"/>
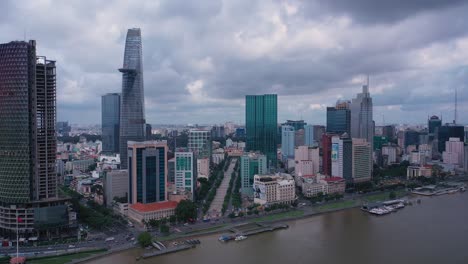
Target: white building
<point x="217" y="156"/>
<point x="307" y="160"/>
<point x="391" y="153"/>
<point x="203" y="168"/>
<point x="273" y="189"/>
<point x="147" y="212"/>
<point x="454" y="152"/>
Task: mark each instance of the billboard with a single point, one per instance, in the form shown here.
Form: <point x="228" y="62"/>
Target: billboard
<point x="334" y="152"/>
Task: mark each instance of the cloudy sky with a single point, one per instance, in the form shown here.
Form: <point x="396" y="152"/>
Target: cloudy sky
<point x="202" y="57"/>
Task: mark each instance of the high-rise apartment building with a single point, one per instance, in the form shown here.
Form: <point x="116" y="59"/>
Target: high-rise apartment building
<point x="251" y="164"/>
<point x="110" y="120"/>
<point x="287" y="141"/>
<point x="261" y="120"/>
<point x="199" y="142"/>
<point x="132" y="107"/>
<point x="454" y="152"/>
<point x="147" y="171"/>
<point x="28" y="178"/>
<point x="339" y="118"/>
<point x="115" y="185"/>
<point x="362" y="124"/>
<point x="326" y="153"/>
<point x="309" y="135"/>
<point x="185" y="172"/>
<point x="341" y="157"/>
<point x="362" y="160"/>
<point x="307" y="160"/>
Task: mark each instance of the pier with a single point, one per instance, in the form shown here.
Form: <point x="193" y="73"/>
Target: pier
<point x="166" y="251"/>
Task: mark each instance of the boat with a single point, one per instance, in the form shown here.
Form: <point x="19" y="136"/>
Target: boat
<point x="225" y="238"/>
<point x="462" y="189"/>
<point x="240" y="238"/>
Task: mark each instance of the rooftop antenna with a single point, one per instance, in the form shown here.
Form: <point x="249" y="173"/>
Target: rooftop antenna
<point x="455" y="113"/>
<point x="365" y="88"/>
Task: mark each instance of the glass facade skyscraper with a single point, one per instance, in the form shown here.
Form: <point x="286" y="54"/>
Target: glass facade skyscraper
<point x="110" y="114"/>
<point x="132" y="107"/>
<point x="261" y="121"/>
<point x="147" y="170"/>
<point x="339" y="119"/>
<point x="28" y="145"/>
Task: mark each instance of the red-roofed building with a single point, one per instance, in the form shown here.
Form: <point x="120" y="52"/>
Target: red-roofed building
<point x="158" y="210"/>
<point x="336" y="185"/>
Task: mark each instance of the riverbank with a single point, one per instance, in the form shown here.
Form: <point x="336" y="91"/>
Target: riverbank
<point x="271" y="218"/>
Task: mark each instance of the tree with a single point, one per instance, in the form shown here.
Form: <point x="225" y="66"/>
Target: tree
<point x="164" y="228"/>
<point x="186" y="210"/>
<point x="172" y="219"/>
<point x="154" y="223"/>
<point x="392" y="195"/>
<point x="92" y="167"/>
<point x="144" y="239"/>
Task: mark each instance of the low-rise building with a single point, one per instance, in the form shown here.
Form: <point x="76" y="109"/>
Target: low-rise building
<point x="274" y="189"/>
<point x="418" y="171"/>
<point x="217" y="156"/>
<point x="312" y="186"/>
<point x="115" y="185"/>
<point x="121" y="208"/>
<point x="149" y="211"/>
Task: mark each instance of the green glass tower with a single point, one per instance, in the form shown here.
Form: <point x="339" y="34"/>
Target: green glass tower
<point x="261" y="123"/>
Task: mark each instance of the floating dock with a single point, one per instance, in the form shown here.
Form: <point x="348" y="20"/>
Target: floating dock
<point x="251" y="229"/>
<point x="167" y="251"/>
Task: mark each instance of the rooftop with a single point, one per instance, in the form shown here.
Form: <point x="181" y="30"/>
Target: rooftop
<point x="154" y="206"/>
<point x="334" y="179"/>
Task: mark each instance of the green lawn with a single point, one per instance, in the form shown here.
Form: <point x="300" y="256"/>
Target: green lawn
<point x="278" y="216"/>
<point x="65" y="258"/>
<point x="191" y="233"/>
<point x="383" y="196"/>
<point x="337" y="205"/>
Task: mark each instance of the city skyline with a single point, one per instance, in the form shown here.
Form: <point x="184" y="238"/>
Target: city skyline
<point x="311" y="55"/>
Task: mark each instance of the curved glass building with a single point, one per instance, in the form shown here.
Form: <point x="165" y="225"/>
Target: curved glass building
<point x="132" y="108"/>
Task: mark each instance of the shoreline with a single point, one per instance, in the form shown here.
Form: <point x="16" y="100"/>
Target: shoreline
<point x="220" y="231"/>
<point x="227" y="226"/>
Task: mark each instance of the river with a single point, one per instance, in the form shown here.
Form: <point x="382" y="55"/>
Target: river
<point x="434" y="231"/>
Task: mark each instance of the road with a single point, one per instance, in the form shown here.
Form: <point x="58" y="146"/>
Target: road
<point x="217" y="203"/>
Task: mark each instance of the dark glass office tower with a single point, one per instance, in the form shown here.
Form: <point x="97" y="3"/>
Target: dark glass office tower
<point x="132" y="107"/>
<point x="433" y="123"/>
<point x="110" y="114"/>
<point x="28" y="179"/>
<point x="261" y="120"/>
<point x="444" y="133"/>
<point x="338" y="120"/>
<point x="147" y="171"/>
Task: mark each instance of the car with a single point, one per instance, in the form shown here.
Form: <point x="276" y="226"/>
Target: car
<point x="71" y="246"/>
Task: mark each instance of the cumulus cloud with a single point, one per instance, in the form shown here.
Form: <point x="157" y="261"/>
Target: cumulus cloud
<point x="201" y="58"/>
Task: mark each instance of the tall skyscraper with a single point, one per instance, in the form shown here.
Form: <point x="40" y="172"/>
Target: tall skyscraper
<point x="110" y="120"/>
<point x="147" y="171"/>
<point x="339" y="118"/>
<point x="185" y="172"/>
<point x="287" y="141"/>
<point x="261" y="120"/>
<point x="132" y="107"/>
<point x="433" y="124"/>
<point x="28" y="178"/>
<point x="362" y="124"/>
